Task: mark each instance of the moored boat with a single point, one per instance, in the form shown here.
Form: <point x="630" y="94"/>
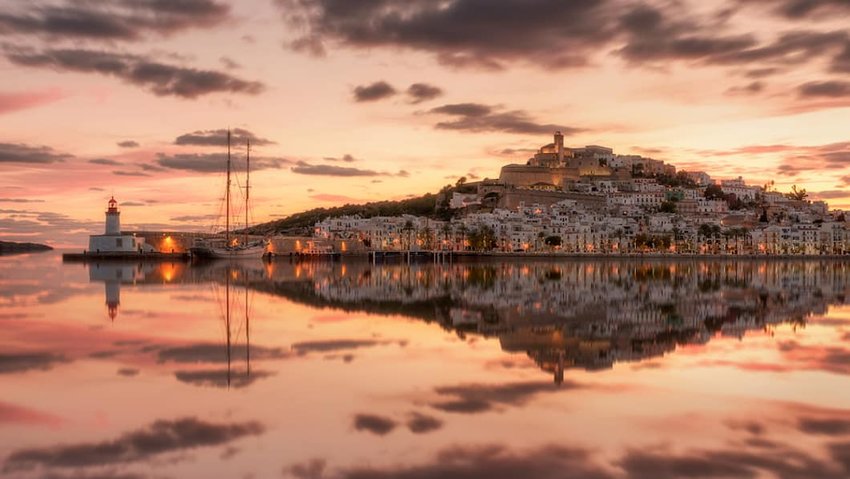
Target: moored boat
<point x="231" y="247"/>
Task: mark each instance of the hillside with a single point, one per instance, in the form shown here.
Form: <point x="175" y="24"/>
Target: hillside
<point x="302" y="223"/>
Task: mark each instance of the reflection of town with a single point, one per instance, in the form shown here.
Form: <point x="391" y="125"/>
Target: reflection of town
<point x="568" y="314"/>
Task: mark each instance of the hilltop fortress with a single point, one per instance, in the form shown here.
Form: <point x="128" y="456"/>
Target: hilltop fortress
<point x="555" y="171"/>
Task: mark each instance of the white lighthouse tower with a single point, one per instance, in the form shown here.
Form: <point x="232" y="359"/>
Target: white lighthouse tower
<point x="113" y="218"/>
<point x="112" y="241"/>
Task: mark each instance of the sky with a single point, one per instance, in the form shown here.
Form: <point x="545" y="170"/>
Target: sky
<point x="349" y="102"/>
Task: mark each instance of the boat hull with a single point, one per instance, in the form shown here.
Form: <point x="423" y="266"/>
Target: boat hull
<point x="249" y="252"/>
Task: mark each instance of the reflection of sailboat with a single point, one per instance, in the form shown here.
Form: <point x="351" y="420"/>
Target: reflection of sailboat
<point x="230" y="274"/>
<point x="231" y="248"/>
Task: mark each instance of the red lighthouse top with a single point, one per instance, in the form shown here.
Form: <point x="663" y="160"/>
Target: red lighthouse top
<point x="112" y="206"/>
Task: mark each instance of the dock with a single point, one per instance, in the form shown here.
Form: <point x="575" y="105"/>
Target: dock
<point x="126" y="256"/>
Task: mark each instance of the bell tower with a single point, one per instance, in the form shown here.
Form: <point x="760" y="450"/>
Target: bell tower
<point x="113" y="218"/>
<point x="559" y="147"/>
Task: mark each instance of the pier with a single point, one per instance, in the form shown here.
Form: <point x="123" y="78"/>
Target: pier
<point x="125" y="256"/>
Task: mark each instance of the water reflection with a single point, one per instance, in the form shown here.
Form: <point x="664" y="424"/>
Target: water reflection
<point x="344" y="370"/>
<point x="573" y="314"/>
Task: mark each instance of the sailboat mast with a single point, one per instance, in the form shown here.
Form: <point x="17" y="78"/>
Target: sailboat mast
<point x="227" y="195"/>
<point x="247" y="187"/>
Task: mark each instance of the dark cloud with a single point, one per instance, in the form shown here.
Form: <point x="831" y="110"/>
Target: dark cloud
<point x="216" y="162"/>
<point x="762" y="72"/>
<point x="121" y="20"/>
<point x="221" y="378"/>
<point x="820" y="89"/>
<point x="652" y="36"/>
<point x="346" y="158"/>
<point x="798" y="9"/>
<point x="159" y="78"/>
<point x="841" y="454"/>
<point x="419" y="423"/>
<point x="129" y="173"/>
<point x="334" y="345"/>
<point x="18" y="363"/>
<point x="483" y="118"/>
<point x="825" y="426"/>
<point x="477" y="398"/>
<point x="375" y="424"/>
<point x="463" y="33"/>
<point x="216" y="353"/>
<point x="128" y="144"/>
<point x="313" y="469"/>
<point x="20" y="153"/>
<point x="420" y="92"/>
<point x="749" y="89"/>
<point x="105" y="161"/>
<point x="553" y="34"/>
<point x="238" y="137"/>
<point x="194" y="218"/>
<point x="128" y="372"/>
<point x="373" y="92"/>
<point x="841" y="62"/>
<point x="19" y="200"/>
<point x="161" y="437"/>
<point x="492" y="462"/>
<point x="304" y="168"/>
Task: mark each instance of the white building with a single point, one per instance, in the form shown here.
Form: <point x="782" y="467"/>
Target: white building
<point x="113" y="241"/>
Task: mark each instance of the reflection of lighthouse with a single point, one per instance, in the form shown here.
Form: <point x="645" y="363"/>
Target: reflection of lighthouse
<point x="112" y="275"/>
<point x="113" y="298"/>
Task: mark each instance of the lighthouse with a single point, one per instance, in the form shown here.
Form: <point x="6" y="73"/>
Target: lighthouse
<point x="112" y="241"/>
<point x="113" y="218"/>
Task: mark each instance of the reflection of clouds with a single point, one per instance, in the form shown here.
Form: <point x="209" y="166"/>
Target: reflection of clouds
<point x="18" y="363"/>
<point x="785" y="440"/>
<point x="221" y="378"/>
<point x="160" y="437"/>
<point x="216" y="353"/>
<point x="419" y="423"/>
<point x="466" y="462"/>
<point x="335" y="345"/>
<point x="375" y="424"/>
<point x="477" y="398"/>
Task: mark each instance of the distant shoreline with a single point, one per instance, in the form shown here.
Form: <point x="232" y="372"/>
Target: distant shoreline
<point x="11" y="247"/>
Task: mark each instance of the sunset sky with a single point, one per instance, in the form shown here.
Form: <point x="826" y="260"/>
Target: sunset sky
<point x="354" y="101"/>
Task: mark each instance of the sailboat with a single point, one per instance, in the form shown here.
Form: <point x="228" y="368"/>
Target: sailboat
<point x="231" y="248"/>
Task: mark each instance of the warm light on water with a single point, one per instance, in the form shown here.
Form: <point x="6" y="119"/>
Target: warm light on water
<point x="350" y="370"/>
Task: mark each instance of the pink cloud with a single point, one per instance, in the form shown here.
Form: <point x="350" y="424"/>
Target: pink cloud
<point x="12" y="414"/>
<point x="10" y="102"/>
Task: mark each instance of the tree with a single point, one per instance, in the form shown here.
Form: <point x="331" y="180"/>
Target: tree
<point x="798" y="195"/>
<point x="668" y="207"/>
<point x="714" y="192"/>
<point x="553" y="240"/>
<point x="461" y="181"/>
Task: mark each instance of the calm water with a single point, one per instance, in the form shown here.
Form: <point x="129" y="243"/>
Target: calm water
<point x="499" y="370"/>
